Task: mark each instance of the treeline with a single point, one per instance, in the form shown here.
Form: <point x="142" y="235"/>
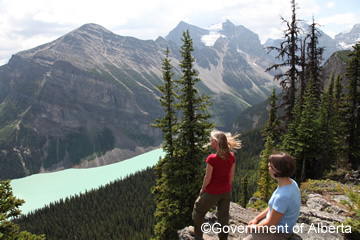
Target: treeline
<point x="123" y="209"/>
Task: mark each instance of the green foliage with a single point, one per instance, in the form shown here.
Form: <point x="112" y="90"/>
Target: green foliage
<point x="247" y="164"/>
<point x="302" y="139"/>
<point x="328" y="129"/>
<point x="180" y="172"/>
<point x="168" y="124"/>
<point x="314" y="58"/>
<point x="123" y="209"/>
<point x="266" y="184"/>
<point x="319" y="186"/>
<point x="272" y="126"/>
<point x="244" y="196"/>
<point x="352" y="111"/>
<point x="9" y="209"/>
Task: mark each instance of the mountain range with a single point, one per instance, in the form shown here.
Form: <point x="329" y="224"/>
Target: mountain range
<point x="88" y="98"/>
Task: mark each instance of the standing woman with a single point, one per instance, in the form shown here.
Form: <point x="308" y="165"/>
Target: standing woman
<point x="216" y="188"/>
<point x="284" y="204"/>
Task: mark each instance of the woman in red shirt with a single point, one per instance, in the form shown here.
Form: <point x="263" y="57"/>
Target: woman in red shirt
<point x="216" y="188"/>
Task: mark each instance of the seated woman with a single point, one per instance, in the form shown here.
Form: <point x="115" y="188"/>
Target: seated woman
<point x="281" y="215"/>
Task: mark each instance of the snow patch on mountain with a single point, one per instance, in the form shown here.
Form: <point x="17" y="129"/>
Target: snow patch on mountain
<point x="214" y="34"/>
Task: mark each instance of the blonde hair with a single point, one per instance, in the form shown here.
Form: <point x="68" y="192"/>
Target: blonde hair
<point x="226" y="143"/>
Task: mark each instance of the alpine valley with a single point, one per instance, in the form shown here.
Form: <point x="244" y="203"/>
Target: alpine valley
<point x="89" y="97"/>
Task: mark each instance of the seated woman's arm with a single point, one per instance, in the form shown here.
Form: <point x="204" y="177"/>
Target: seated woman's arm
<point x="259" y="217"/>
<point x="273" y="219"/>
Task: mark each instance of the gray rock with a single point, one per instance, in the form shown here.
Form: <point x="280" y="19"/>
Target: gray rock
<point x="312" y="224"/>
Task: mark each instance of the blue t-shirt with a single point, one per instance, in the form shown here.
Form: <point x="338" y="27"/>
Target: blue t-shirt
<point x="286" y="200"/>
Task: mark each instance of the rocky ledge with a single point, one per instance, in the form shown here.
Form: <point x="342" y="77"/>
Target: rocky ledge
<point x="321" y="217"/>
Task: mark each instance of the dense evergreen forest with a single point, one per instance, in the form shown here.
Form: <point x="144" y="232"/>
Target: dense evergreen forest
<point x="123" y="209"/>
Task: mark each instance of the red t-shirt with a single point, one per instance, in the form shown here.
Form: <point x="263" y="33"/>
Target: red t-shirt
<point x="220" y="179"/>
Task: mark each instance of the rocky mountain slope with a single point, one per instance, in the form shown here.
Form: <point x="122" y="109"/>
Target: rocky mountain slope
<point x="347" y="38"/>
<point x="89" y="97"/>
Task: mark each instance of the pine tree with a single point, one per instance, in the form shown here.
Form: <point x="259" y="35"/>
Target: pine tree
<point x="244" y="195"/>
<point x="288" y="53"/>
<point x="272" y="126"/>
<point x="179" y="173"/>
<point x="266" y="183"/>
<point x="314" y="59"/>
<point x="291" y="137"/>
<point x="9" y="209"/>
<point x="328" y="125"/>
<point x="340" y="121"/>
<point x="194" y="132"/>
<point x="168" y="125"/>
<point x="308" y="139"/>
<point x="353" y="110"/>
<point x="302" y="73"/>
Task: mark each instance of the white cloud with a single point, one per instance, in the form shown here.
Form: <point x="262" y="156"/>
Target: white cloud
<point x="338" y="19"/>
<point x="331" y="4"/>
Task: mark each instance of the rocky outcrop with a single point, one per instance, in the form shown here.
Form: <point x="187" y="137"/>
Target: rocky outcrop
<point x="320" y="218"/>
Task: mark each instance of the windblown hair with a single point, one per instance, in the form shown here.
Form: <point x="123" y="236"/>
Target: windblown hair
<point x="226" y="143"/>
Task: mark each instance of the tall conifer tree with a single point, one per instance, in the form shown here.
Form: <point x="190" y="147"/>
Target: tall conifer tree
<point x="340" y="108"/>
<point x="291" y="137"/>
<point x="168" y="125"/>
<point x="194" y="133"/>
<point x="314" y="59"/>
<point x="288" y="53"/>
<point x="308" y="138"/>
<point x="272" y="126"/>
<point x="266" y="183"/>
<point x="353" y="110"/>
<point x="328" y="125"/>
<point x="180" y="173"/>
<point x="244" y="195"/>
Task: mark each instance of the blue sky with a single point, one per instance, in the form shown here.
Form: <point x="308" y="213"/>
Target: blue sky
<point x="26" y="24"/>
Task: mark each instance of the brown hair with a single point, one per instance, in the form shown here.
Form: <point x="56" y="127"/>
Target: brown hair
<point x="283" y="164"/>
<point x="225" y="143"/>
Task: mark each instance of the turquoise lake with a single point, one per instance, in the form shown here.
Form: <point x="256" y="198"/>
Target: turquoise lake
<point x="41" y="189"/>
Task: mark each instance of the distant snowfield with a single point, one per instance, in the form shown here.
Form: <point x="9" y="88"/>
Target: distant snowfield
<point x="41" y="189"/>
<point x="210" y="39"/>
